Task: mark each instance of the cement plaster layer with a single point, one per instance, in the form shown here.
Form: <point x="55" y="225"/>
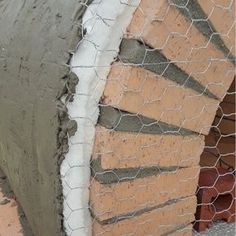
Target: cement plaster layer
<point x="35" y="40"/>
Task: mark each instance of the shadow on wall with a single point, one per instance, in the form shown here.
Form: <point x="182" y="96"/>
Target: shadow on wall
<point x="216" y="188"/>
<point x="220" y="143"/>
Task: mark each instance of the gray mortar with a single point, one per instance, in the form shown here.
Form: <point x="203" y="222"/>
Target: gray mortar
<point x="36" y="41"/>
<point x="136" y="213"/>
<point x="110" y="176"/>
<point x="192" y="10"/>
<point x="136" y="52"/>
<point x="5" y="187"/>
<point x="27" y="231"/>
<point x="119" y="120"/>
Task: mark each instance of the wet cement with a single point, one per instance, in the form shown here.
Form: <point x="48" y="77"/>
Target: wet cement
<point x="36" y="39"/>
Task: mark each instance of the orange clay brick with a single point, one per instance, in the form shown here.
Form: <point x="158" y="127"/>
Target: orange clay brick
<point x="187" y="231"/>
<point x="120" y="198"/>
<point x="137" y="90"/>
<point x="222" y="10"/>
<point x="156" y="222"/>
<point x="131" y="150"/>
<point x="163" y="27"/>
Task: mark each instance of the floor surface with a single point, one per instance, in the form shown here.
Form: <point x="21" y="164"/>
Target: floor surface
<point x="9" y="219"/>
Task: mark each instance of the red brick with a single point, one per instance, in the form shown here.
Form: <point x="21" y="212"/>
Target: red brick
<point x="218" y="148"/>
<point x="225" y="126"/>
<point x="132" y="150"/>
<point x="162" y="26"/>
<point x="156" y="222"/>
<point x="209" y="159"/>
<point x="227" y="110"/>
<point x="140" y="91"/>
<point x="222" y="15"/>
<point x="119" y="198"/>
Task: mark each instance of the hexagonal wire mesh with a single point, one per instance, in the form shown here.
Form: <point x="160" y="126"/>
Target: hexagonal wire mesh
<point x="160" y="159"/>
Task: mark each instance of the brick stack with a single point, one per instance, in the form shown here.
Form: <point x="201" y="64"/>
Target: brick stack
<point x="220" y="142"/>
<point x="216" y="197"/>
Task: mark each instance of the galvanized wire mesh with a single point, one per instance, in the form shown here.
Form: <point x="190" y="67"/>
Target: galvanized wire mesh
<point x="170" y="87"/>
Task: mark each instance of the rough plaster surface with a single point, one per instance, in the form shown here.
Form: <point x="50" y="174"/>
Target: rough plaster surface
<point x="218" y="229"/>
<point x="35" y="40"/>
<point x="104" y="23"/>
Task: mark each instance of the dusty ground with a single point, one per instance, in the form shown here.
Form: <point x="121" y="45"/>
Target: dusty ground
<point x="9" y="218"/>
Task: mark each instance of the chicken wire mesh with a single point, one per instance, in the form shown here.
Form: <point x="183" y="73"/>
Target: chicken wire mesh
<point x="163" y="148"/>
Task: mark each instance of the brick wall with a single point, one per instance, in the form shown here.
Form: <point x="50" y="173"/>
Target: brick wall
<point x="160" y="100"/>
